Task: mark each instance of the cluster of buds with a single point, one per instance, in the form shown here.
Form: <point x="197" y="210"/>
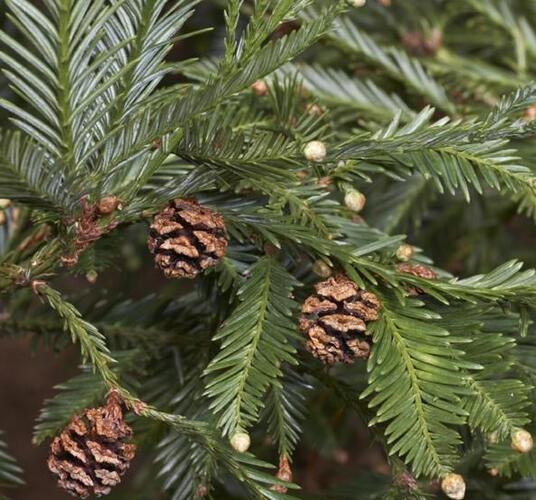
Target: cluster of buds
<point x="87" y="229"/>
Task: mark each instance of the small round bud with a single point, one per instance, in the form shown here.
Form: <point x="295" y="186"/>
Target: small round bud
<point x="405" y="252"/>
<point x="453" y="486"/>
<point x="259" y="87"/>
<point x="315" y="151"/>
<point x="406" y="481"/>
<point x="340" y="456"/>
<point x="530" y="113"/>
<point x="493" y="437"/>
<point x="108" y="205"/>
<point x="270" y="250"/>
<point x="314" y="109"/>
<point x="357" y="3"/>
<point x="92" y="276"/>
<point x="321" y="269"/>
<point x="522" y="441"/>
<point x="354" y="200"/>
<point x="493" y="472"/>
<point x="240" y="441"/>
<point x="201" y="491"/>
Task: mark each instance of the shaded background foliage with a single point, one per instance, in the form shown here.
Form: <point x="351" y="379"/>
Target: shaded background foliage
<point x="463" y="239"/>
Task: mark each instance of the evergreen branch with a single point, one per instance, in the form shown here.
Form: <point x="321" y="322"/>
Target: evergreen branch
<point x="92" y="342"/>
<point x="512" y="104"/>
<point x="507" y="282"/>
<point x="247" y="155"/>
<point x="496" y="402"/>
<point x="401" y="204"/>
<point x="414" y="379"/>
<point x="285" y="411"/>
<point x="255" y="342"/>
<point x="85" y="390"/>
<point x="470" y="72"/>
<point x="509" y="462"/>
<point x="526" y="198"/>
<point x="80" y="392"/>
<point x="152" y="35"/>
<point x="397" y="64"/>
<point x="133" y="137"/>
<point x="185" y="465"/>
<point x="65" y="8"/>
<point x="243" y="467"/>
<point x="10" y="472"/>
<point x="265" y="18"/>
<point x="27" y="175"/>
<point x="335" y="88"/>
<point x="450" y="154"/>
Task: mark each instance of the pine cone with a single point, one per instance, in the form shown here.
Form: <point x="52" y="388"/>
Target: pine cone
<point x="418" y="270"/>
<point x="90" y="455"/>
<point x="335" y="320"/>
<point x="187" y="239"/>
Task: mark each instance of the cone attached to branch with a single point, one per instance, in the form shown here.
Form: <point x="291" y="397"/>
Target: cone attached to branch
<point x="335" y="320"/>
<point x="186" y="239"/>
<point x="284" y="473"/>
<point x="418" y="270"/>
<point x="91" y="454"/>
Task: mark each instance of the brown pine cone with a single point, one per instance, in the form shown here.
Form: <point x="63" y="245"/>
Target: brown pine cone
<point x="418" y="270"/>
<point x="335" y="320"/>
<point x="187" y="239"/>
<point x="91" y="455"/>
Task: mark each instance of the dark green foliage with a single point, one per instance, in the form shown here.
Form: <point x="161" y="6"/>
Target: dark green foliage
<point x="10" y="472"/>
<point x="104" y="99"/>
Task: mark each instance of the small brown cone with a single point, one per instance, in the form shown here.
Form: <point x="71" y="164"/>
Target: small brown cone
<point x="418" y="270"/>
<point x="91" y="454"/>
<point x="284" y="473"/>
<point x="260" y="88"/>
<point x="335" y="320"/>
<point x="108" y="205"/>
<point x="530" y="113"/>
<point x="186" y="239"/>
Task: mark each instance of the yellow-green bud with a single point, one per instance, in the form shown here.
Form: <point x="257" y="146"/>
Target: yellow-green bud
<point x="493" y="437"/>
<point x="315" y="151"/>
<point x="320" y="268"/>
<point x="405" y="252"/>
<point x="355" y="200"/>
<point x="260" y="87"/>
<point x="240" y="441"/>
<point x="92" y="276"/>
<point x="453" y="486"/>
<point x="522" y="441"/>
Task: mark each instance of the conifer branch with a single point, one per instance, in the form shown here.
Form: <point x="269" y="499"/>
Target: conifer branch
<point x="10" y="472"/>
<point x="255" y="342"/>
